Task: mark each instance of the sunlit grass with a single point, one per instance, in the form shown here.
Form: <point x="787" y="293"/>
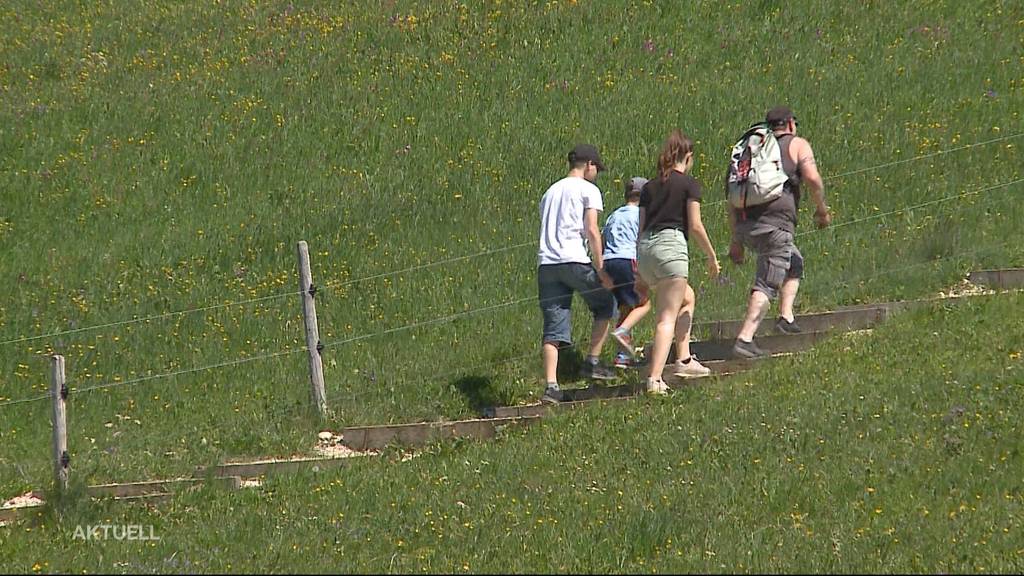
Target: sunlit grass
<point x="158" y="157"/>
<point x="891" y="452"/>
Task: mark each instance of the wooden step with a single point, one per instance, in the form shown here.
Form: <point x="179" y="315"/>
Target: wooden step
<point x="539" y="410"/>
<point x="721" y="349"/>
<point x="12" y="515"/>
<point x="157" y="487"/>
<point x="845" y="319"/>
<point x="1002" y="279"/>
<point x="270" y="467"/>
<point x="152" y="498"/>
<point x="580" y="397"/>
<point x="377" y="437"/>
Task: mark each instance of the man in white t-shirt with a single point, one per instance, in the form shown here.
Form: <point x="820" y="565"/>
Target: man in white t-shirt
<point x="568" y="224"/>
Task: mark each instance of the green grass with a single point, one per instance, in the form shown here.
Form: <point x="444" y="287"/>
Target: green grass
<point x="897" y="451"/>
<point x="159" y="156"/>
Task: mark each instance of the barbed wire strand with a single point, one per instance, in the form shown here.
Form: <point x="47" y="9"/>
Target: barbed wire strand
<point x="139" y="380"/>
<point x="915" y="207"/>
<point x="877" y="274"/>
<point x="147" y="318"/>
<point x="904" y="161"/>
<point x="442" y="375"/>
<point x="342" y="283"/>
<point x="445" y="319"/>
<point x="902" y="268"/>
<point x="926" y="156"/>
<point x="696" y="325"/>
<point x="339" y="283"/>
<point x="705" y="323"/>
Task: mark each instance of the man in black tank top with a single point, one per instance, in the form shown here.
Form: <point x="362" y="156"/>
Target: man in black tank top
<point x="769" y="229"/>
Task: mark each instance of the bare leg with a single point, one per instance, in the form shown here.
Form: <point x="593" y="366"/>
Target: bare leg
<point x="671" y="294"/>
<point x="621" y="314"/>
<point x="597" y="336"/>
<point x="635" y="315"/>
<point x="683" y="324"/>
<point x="550" y="354"/>
<point x="787" y="295"/>
<point x="756" y="309"/>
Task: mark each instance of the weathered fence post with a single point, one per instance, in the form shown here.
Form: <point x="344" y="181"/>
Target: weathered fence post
<point x="307" y="292"/>
<point x="59" y="393"/>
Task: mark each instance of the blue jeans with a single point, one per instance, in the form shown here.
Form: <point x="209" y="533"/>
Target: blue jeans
<point x="555" y="286"/>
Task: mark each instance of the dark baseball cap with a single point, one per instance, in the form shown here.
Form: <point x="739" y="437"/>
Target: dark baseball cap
<point x="586" y="153"/>
<point x="778" y="115"/>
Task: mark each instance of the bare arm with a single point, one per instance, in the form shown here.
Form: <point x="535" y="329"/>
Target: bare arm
<point x="640" y="229"/>
<point x="809" y="175"/>
<point x="639" y="284"/>
<point x="594" y="239"/>
<point x="593" y="233"/>
<point x="698" y="233"/>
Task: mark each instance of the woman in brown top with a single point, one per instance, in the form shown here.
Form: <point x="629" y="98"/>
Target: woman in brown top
<point x="669" y="216"/>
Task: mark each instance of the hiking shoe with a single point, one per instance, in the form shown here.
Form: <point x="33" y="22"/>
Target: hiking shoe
<point x="596" y="372"/>
<point x="624" y="340"/>
<point x="623" y="361"/>
<point x="656" y="387"/>
<point x="692" y="369"/>
<point x="748" y="350"/>
<point x="552" y="396"/>
<point x="783" y="326"/>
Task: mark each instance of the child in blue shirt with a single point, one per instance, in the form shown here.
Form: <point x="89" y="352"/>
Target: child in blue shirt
<point x="619" y="234"/>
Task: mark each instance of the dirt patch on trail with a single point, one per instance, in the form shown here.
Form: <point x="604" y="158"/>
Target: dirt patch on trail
<point x="337" y="450"/>
<point x="24" y="501"/>
<point x="965" y="288"/>
<point x="329" y="445"/>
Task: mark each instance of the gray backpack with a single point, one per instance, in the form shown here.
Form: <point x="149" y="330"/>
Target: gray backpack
<point x="756" y="175"/>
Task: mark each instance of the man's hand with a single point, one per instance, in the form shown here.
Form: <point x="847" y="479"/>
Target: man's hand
<point x="822" y="218"/>
<point x="736" y="252"/>
<point x="606" y="280"/>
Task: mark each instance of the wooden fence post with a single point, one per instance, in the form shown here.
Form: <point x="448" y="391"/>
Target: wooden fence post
<point x="307" y="292"/>
<point x="59" y="393"/>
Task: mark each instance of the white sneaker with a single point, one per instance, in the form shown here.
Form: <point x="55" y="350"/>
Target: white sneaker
<point x="657" y="387"/>
<point x="692" y="369"/>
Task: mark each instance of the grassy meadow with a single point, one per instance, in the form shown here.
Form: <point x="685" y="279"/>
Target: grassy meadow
<point x="856" y="457"/>
<point x="160" y="160"/>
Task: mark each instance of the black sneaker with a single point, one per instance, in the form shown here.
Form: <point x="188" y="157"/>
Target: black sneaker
<point x="748" y="350"/>
<point x="552" y="396"/>
<point x="596" y="372"/>
<point x="784" y="326"/>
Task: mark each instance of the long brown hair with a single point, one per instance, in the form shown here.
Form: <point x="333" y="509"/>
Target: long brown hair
<point x="676" y="147"/>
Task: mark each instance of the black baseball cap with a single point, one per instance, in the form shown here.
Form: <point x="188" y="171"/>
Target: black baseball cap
<point x="778" y="115"/>
<point x="586" y="153"/>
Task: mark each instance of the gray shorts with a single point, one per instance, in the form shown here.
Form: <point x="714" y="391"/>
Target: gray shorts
<point x="555" y="286"/>
<point x="777" y="257"/>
